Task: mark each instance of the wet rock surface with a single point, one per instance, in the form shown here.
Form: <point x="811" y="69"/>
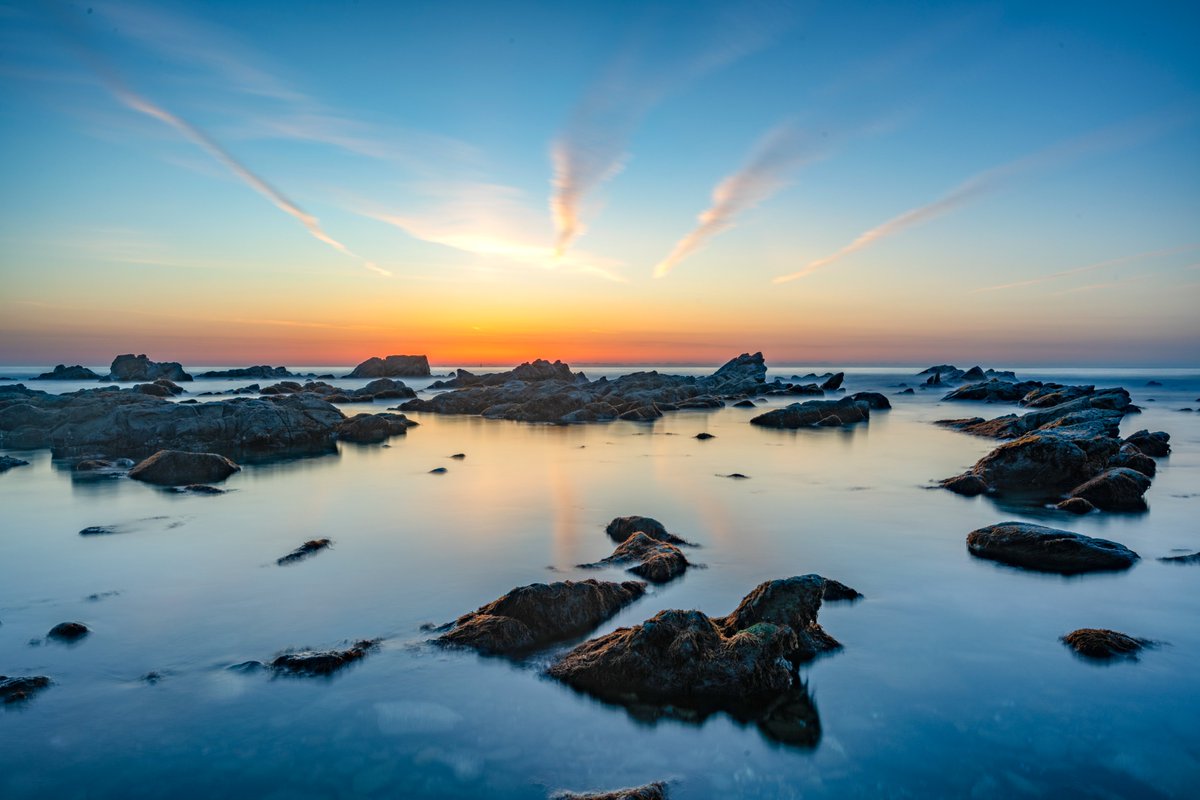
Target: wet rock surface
<point x="182" y="468"/>
<point x="812" y="413"/>
<point x="311" y="547"/>
<point x="621" y="528"/>
<point x="17" y="689"/>
<point x="656" y="561"/>
<point x="534" y="616"/>
<point x="1037" y="547"/>
<point x="1103" y="644"/>
<point x="651" y="791"/>
<point x="322" y="662"/>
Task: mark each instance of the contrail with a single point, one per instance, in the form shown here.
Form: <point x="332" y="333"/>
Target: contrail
<point x="131" y="99"/>
<point x="1088" y="268"/>
<point x="1106" y="139"/>
<point x="776" y="156"/>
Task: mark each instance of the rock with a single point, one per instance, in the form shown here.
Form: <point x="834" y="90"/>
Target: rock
<point x="814" y="412"/>
<point x="747" y="403"/>
<point x="1190" y="558"/>
<point x="973" y="374"/>
<point x="994" y="391"/>
<point x="180" y="468"/>
<point x="459" y="456"/>
<point x="392" y="367"/>
<point x="98" y="530"/>
<point x="16" y="689"/>
<point x="129" y="367"/>
<point x="1133" y="458"/>
<point x="1053" y="394"/>
<point x="311" y="663"/>
<point x="304" y="551"/>
<point x="967" y="484"/>
<point x="530" y="617"/>
<point x="647" y="413"/>
<point x="656" y="561"/>
<point x="372" y="428"/>
<point x="874" y="400"/>
<point x="1100" y="643"/>
<point x="198" y="488"/>
<point x="8" y="462"/>
<point x="907" y="391"/>
<point x="651" y="791"/>
<point x="1155" y="444"/>
<point x="1076" y="505"/>
<point x="68" y="631"/>
<point x="735" y="475"/>
<point x="1117" y="489"/>
<point x="810" y="389"/>
<point x="65" y="373"/>
<point x="261" y="371"/>
<point x="438" y="471"/>
<point x="621" y="528"/>
<point x="836" y="591"/>
<point x="834" y="382"/>
<point x="1045" y="549"/>
<point x="832" y="421"/>
<point x="1153" y="383"/>
<point x="384" y="389"/>
<point x="704" y="436"/>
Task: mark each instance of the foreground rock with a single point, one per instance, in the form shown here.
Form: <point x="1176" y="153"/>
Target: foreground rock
<point x="1103" y="644"/>
<point x="326" y="662"/>
<point x="744" y="663"/>
<point x="68" y="631"/>
<point x="129" y="367"/>
<point x="654" y="560"/>
<point x="64" y="373"/>
<point x="845" y="411"/>
<point x="304" y="551"/>
<point x="16" y="689"/>
<point x="541" y="391"/>
<point x="651" y="791"/>
<point x="1036" y="547"/>
<point x="126" y="423"/>
<point x="621" y="528"/>
<point x="392" y="367"/>
<point x="534" y="616"/>
<point x="373" y="428"/>
<point x="8" y="462"/>
<point x="180" y="468"/>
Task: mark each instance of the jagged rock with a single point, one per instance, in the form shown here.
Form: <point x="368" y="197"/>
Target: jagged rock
<point x="1155" y="444"/>
<point x="179" y="468"/>
<point x="16" y="689"/>
<point x="392" y="367"/>
<point x="656" y="561"/>
<point x="8" y="462"/>
<point x="834" y="382"/>
<point x="260" y="371"/>
<point x="807" y="389"/>
<point x="68" y="631"/>
<point x="64" y="373"/>
<point x="994" y="391"/>
<point x="1117" y="489"/>
<point x="311" y="663"/>
<point x="813" y="412"/>
<point x="1053" y="394"/>
<point x="129" y="367"/>
<point x="371" y="428"/>
<point x="1100" y="643"/>
<point x="651" y="791"/>
<point x="540" y="614"/>
<point x="1037" y="547"/>
<point x="304" y="551"/>
<point x="621" y="528"/>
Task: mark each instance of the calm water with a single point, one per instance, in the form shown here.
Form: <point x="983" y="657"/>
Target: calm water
<point x="952" y="681"/>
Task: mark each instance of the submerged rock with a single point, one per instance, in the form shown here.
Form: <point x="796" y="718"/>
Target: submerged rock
<point x="180" y="468"/>
<point x="651" y="791"/>
<point x="1101" y="643"/>
<point x="1190" y="558"/>
<point x="621" y="528"/>
<point x="1037" y="547"/>
<point x="540" y="614"/>
<point x="311" y="663"/>
<point x="128" y="368"/>
<point x="8" y="462"/>
<point x="16" y="689"/>
<point x="64" y="373"/>
<point x="68" y="631"/>
<point x="656" y="561"/>
<point x="392" y="367"/>
<point x="815" y="412"/>
<point x="304" y="551"/>
<point x="199" y="488"/>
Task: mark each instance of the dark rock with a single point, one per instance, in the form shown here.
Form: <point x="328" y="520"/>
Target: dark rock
<point x="372" y="428"/>
<point x="8" y="462"/>
<point x="875" y="400"/>
<point x="65" y="373"/>
<point x="438" y="471"/>
<point x="703" y="436"/>
<point x="392" y="367"/>
<point x="384" y="389"/>
<point x="994" y="391"/>
<point x="199" y="488"/>
<point x="1133" y="458"/>
<point x="735" y="476"/>
<point x="459" y="456"/>
<point x="647" y="413"/>
<point x="1155" y="444"/>
<point x="1100" y="643"/>
<point x="304" y="551"/>
<point x="1076" y="505"/>
<point x="130" y="368"/>
<point x="907" y="391"/>
<point x="651" y="791"/>
<point x="1117" y="489"/>
<point x="1053" y="394"/>
<point x="16" y="689"/>
<point x="621" y="528"/>
<point x="1190" y="558"/>
<point x="813" y="412"/>
<point x="68" y="631"/>
<point x="311" y="663"/>
<point x="1153" y="383"/>
<point x="98" y="530"/>
<point x="834" y="382"/>
<point x="808" y="389"/>
<point x="967" y="484"/>
<point x="832" y="421"/>
<point x="747" y="403"/>
<point x="180" y="468"/>
<point x="261" y="371"/>
<point x="656" y="561"/>
<point x="1045" y="549"/>
<point x="540" y="614"/>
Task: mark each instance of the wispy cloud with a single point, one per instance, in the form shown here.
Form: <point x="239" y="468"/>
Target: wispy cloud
<point x="592" y="146"/>
<point x="1107" y="139"/>
<point x="776" y="156"/>
<point x="1112" y="262"/>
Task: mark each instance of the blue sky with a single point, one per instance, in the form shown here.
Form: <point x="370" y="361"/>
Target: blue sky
<point x="849" y="182"/>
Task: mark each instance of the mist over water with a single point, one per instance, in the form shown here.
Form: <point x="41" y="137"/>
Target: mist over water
<point x="952" y="680"/>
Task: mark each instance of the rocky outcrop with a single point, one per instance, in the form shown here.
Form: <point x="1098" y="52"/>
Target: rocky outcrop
<point x="1103" y="644"/>
<point x="260" y="371"/>
<point x="994" y="390"/>
<point x="651" y="791"/>
<point x="68" y="632"/>
<point x="124" y="423"/>
<point x="180" y="468"/>
<point x="378" y="389"/>
<point x="1117" y="489"/>
<point x="534" y="616"/>
<point x="541" y="391"/>
<point x="323" y="662"/>
<point x="656" y="561"/>
<point x="1156" y="445"/>
<point x="16" y="689"/>
<point x="392" y="367"/>
<point x="303" y="551"/>
<point x="8" y="462"/>
<point x="621" y="528"/>
<point x="845" y="411"/>
<point x="1053" y="394"/>
<point x="64" y="373"/>
<point x="373" y="428"/>
<point x="129" y="367"/>
<point x="948" y="373"/>
<point x="1037" y="547"/>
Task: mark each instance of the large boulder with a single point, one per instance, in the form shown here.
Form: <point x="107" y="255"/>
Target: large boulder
<point x="180" y="468"/>
<point x="371" y="428"/>
<point x="392" y="367"/>
<point x="64" y="373"/>
<point x="1155" y="444"/>
<point x="534" y="616"/>
<point x="813" y="412"/>
<point x="1117" y="489"/>
<point x="129" y="367"/>
<point x="1037" y="547"/>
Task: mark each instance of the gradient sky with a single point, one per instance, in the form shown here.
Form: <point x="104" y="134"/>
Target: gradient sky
<point x="306" y="183"/>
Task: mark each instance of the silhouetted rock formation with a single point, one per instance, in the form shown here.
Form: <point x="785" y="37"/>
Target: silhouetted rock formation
<point x="8" y="462"/>
<point x="261" y="371"/>
<point x="1037" y="547"/>
<point x="392" y="367"/>
<point x="812" y="413"/>
<point x="68" y="631"/>
<point x="129" y="367"/>
<point x="65" y="373"/>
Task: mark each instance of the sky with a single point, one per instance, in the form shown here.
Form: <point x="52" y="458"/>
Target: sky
<point x="613" y="182"/>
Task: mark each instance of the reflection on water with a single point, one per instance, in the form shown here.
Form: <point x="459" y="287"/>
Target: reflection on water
<point x="953" y="680"/>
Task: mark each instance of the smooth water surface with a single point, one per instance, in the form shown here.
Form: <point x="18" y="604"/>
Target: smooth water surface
<point x="952" y="681"/>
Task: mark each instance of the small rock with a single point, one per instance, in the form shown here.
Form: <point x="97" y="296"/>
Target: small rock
<point x="459" y="456"/>
<point x="304" y="551"/>
<point x="325" y="662"/>
<point x="1037" y="547"/>
<point x="68" y="631"/>
<point x="657" y="562"/>
<point x="745" y="404"/>
<point x="8" y="462"/>
<point x="438" y="471"/>
<point x="704" y="436"/>
<point x="98" y="530"/>
<point x="651" y="791"/>
<point x="1076" y="505"/>
<point x="1100" y="643"/>
<point x="14" y="690"/>
<point x="735" y="475"/>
